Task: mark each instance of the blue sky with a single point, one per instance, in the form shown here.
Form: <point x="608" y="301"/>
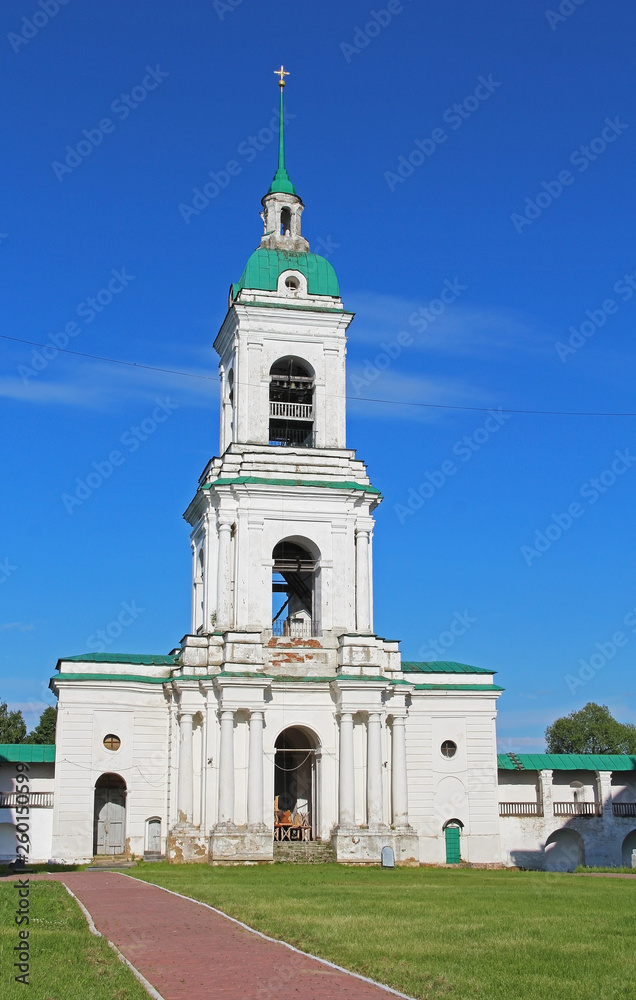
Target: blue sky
<point x="473" y="149"/>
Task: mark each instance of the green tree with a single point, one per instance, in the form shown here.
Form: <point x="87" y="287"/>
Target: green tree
<point x="12" y="725"/>
<point x="591" y="730"/>
<point x="44" y="732"/>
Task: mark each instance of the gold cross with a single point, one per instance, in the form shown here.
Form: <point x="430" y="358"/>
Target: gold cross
<point x="282" y="73"/>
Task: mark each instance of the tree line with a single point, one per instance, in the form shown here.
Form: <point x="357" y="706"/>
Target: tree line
<point x="13" y="728"/>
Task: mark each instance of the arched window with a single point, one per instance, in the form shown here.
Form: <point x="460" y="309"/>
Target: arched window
<point x="291" y="404"/>
<point x="293" y="591"/>
<point x="578" y="790"/>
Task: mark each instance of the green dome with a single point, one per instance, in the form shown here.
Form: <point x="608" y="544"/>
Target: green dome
<point x="264" y="268"/>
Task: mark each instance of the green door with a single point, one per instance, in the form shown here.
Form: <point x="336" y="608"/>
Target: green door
<point x="453" y="856"/>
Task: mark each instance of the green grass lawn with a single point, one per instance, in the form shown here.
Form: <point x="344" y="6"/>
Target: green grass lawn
<point x="67" y="961"/>
<point x="452" y="933"/>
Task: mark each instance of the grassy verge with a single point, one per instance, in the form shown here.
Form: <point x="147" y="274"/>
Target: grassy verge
<point x="458" y="934"/>
<point x="67" y="961"/>
<point x="581" y="869"/>
<point x="22" y="873"/>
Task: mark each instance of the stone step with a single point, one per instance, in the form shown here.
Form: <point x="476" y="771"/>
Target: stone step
<point x="304" y="853"/>
<point x="109" y="861"/>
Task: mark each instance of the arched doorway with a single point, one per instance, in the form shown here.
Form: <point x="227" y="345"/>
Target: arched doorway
<point x="629" y="848"/>
<point x="452" y="833"/>
<point x="295" y="785"/>
<point x="564" y="850"/>
<point x="153" y="836"/>
<point x="295" y="601"/>
<point x="109" y="825"/>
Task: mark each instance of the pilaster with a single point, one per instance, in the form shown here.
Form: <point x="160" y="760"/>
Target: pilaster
<point x="230" y="842"/>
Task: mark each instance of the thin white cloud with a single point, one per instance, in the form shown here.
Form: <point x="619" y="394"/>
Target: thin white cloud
<point x="462" y="329"/>
<point x="27" y="706"/>
<point x="46" y="393"/>
<point x="367" y="383"/>
<point x="102" y="387"/>
<point x="19" y="625"/>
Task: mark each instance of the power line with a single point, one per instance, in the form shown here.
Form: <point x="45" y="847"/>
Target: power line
<point x="113" y="361"/>
<point x="362" y="399"/>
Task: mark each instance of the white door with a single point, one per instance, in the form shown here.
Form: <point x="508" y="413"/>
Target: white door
<point x="154" y="836"/>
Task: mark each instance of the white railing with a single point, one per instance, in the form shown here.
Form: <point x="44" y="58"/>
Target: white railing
<point x="624" y="808"/>
<point x="520" y="809"/>
<point x="577" y="809"/>
<point x="295" y="628"/>
<point x="293" y="411"/>
<point x="9" y="800"/>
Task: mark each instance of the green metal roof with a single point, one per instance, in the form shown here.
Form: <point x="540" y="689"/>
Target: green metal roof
<point x="137" y="678"/>
<point x="458" y="687"/>
<point x="264" y="268"/>
<point x="28" y="753"/>
<point x="442" y="667"/>
<point x="145" y="659"/>
<point x="255" y="481"/>
<point x="566" y="762"/>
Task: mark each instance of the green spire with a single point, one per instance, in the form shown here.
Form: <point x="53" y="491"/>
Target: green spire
<point x="281" y="181"/>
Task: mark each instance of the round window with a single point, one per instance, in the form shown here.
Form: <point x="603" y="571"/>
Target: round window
<point x="112" y="742"/>
<point x="292" y="282"/>
<point x="448" y="748"/>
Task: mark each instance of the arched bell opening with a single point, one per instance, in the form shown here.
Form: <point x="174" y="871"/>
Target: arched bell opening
<point x="295" y="785"/>
<point x="109" y="823"/>
<point x="199" y="574"/>
<point x="285" y="222"/>
<point x="230" y="398"/>
<point x="291" y="404"/>
<point x="295" y="602"/>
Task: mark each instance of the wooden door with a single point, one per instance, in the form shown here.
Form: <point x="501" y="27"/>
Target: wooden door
<point x="453" y="853"/>
<point x="110" y="820"/>
<point x="154" y="836"/>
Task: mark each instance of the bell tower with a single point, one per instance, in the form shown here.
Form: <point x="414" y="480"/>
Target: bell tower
<point x="282" y="522"/>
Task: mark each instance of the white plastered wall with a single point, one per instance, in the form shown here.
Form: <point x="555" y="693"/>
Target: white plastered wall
<point x="87" y="712"/>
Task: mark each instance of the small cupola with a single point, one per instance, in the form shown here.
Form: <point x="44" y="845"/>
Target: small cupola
<point x="282" y="207"/>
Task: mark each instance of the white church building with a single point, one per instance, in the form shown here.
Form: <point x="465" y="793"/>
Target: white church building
<point x="282" y="723"/>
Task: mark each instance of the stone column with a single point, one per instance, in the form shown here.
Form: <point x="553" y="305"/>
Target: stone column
<point x="363" y="583"/>
<point x="375" y="812"/>
<point x="346" y="791"/>
<point x="545" y="793"/>
<point x="224" y="583"/>
<point x="185" y="800"/>
<point x="226" y="770"/>
<point x="255" y="772"/>
<point x="604" y="789"/>
<point x="399" y="785"/>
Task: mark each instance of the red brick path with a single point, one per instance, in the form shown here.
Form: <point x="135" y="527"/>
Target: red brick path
<point x="186" y="950"/>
